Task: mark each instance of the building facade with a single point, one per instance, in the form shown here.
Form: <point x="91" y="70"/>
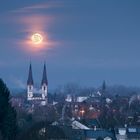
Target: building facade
<point x="41" y="95"/>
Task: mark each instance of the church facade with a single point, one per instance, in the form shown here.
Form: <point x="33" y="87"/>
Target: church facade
<point x="39" y="96"/>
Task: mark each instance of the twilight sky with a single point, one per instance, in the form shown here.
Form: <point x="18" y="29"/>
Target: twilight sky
<point x="85" y="41"/>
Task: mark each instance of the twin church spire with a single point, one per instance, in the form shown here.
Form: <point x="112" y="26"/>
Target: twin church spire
<point x="44" y="76"/>
<point x="40" y="95"/>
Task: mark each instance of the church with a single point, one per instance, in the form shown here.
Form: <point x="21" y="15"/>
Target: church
<point x="39" y="96"/>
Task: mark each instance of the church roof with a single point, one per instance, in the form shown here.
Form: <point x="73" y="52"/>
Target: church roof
<point x="30" y="77"/>
<point x="44" y="77"/>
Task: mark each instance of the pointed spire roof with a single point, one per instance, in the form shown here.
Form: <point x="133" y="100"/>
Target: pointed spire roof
<point x="44" y="78"/>
<point x="30" y="76"/>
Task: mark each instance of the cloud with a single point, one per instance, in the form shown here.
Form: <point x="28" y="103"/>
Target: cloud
<point x="104" y="63"/>
<point x="31" y="17"/>
<point x="41" y="6"/>
<point x="23" y="22"/>
<point x="18" y="82"/>
<point x="35" y="22"/>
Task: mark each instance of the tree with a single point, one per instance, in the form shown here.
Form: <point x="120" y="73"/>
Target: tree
<point x="4" y="101"/>
<point x="9" y="124"/>
<point x="7" y="114"/>
<point x="43" y="131"/>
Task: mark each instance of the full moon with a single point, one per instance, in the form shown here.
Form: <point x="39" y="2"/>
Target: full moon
<point x="37" y="38"/>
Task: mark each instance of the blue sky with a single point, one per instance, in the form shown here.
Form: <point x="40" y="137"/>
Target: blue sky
<point x="88" y="41"/>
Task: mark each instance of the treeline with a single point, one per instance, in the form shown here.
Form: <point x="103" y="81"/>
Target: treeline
<point x="8" y="125"/>
<point x="75" y="89"/>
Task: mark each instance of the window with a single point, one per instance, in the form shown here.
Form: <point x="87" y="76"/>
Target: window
<point x="44" y="88"/>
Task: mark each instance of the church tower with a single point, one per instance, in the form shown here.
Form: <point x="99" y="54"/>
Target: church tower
<point x="44" y="84"/>
<point x="30" y="84"/>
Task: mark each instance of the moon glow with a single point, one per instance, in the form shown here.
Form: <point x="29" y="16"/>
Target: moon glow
<point x="37" y="38"/>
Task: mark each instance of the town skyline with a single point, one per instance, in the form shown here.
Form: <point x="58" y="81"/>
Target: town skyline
<point x="86" y="42"/>
<point x="69" y="69"/>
